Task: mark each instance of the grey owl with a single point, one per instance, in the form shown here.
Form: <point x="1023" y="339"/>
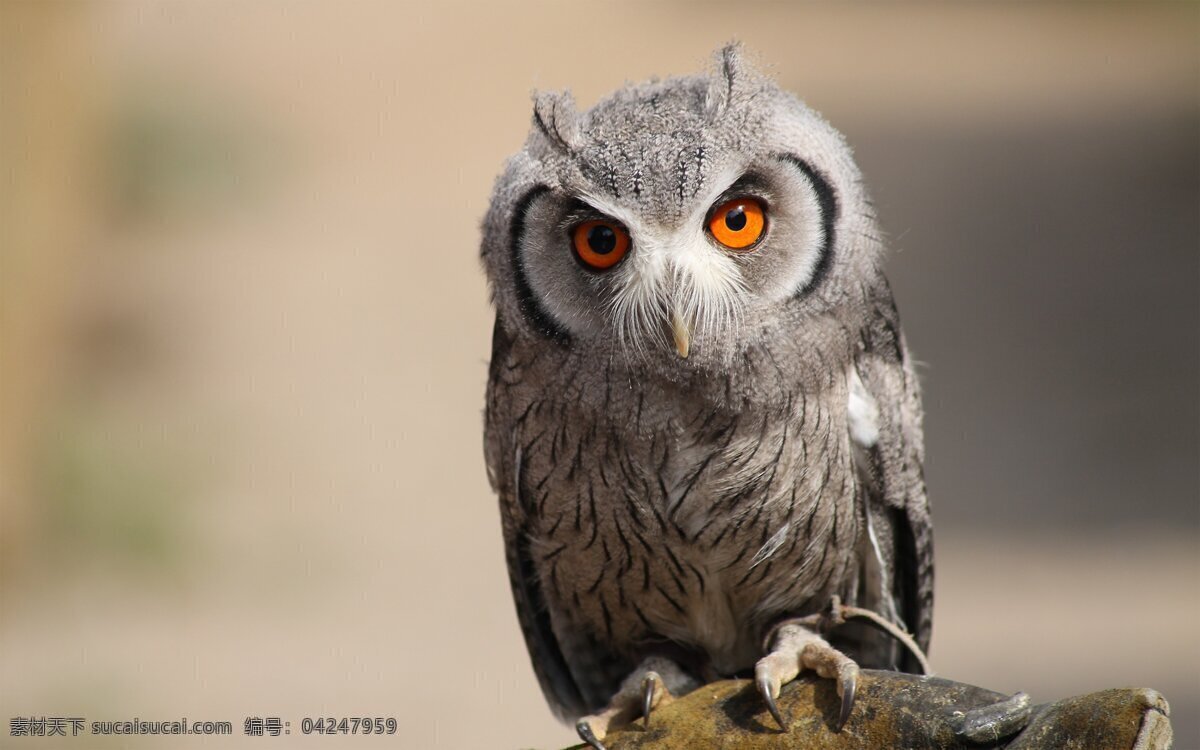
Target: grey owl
<point x="702" y="421"/>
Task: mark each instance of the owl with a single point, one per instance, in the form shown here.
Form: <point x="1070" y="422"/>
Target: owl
<point x="702" y="421"/>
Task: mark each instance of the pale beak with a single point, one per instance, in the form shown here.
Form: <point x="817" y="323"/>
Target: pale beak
<point x="682" y="332"/>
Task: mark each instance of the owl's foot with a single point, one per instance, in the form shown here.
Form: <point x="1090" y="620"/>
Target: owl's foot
<point x="793" y="647"/>
<point x="646" y="688"/>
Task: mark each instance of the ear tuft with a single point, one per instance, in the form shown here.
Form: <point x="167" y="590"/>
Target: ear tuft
<point x="727" y="78"/>
<point x="555" y="116"/>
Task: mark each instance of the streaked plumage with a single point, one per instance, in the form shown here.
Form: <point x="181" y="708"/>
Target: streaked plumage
<point x="655" y="504"/>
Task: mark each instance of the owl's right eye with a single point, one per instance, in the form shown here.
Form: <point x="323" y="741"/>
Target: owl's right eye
<point x="600" y="244"/>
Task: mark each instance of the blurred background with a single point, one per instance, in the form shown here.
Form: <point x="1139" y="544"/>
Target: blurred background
<point x="240" y="399"/>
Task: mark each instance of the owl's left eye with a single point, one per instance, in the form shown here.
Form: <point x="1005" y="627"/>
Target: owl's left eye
<point x="600" y="244"/>
<point x="738" y="224"/>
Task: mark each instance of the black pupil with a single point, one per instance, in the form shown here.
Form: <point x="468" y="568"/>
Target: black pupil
<point x="601" y="239"/>
<point x="735" y="219"/>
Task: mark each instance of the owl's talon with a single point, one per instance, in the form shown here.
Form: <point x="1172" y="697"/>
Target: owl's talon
<point x="847" y="687"/>
<point x="649" y="684"/>
<point x="584" y="729"/>
<point x="767" y="690"/>
<point x="646" y="688"/>
<point x="793" y="646"/>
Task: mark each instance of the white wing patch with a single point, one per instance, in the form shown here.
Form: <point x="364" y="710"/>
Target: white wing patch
<point x="863" y="412"/>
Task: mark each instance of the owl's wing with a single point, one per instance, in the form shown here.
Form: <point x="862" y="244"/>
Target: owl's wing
<point x="885" y="411"/>
<point x="505" y="474"/>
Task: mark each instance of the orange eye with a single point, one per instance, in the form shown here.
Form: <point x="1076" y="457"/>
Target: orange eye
<point x="738" y="224"/>
<point x="600" y="244"/>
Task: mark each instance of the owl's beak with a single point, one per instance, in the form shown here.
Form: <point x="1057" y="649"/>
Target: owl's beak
<point x="682" y="332"/>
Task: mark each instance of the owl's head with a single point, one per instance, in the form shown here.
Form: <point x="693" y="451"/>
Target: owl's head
<point x="679" y="222"/>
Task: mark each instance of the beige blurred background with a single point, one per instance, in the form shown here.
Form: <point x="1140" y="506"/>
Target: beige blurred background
<point x="241" y="396"/>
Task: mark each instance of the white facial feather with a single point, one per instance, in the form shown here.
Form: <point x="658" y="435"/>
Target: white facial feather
<point x="673" y="269"/>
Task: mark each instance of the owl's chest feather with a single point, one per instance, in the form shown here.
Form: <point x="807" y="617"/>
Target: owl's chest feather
<point x="701" y="531"/>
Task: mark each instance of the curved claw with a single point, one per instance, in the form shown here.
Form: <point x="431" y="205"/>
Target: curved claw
<point x="764" y="688"/>
<point x="586" y="734"/>
<point x="649" y="685"/>
<point x="847" y="687"/>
